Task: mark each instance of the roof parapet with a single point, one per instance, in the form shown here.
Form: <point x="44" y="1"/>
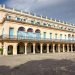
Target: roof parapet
<point x="3" y="7"/>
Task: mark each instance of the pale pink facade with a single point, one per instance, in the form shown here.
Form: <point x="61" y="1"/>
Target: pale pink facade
<point x="23" y="33"/>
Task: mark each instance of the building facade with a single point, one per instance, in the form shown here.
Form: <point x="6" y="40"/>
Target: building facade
<point x="25" y="33"/>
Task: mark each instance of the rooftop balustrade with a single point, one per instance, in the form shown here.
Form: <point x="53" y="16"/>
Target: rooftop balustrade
<point x="17" y="19"/>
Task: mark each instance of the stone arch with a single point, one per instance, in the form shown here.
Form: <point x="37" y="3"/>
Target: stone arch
<point x="73" y="47"/>
<point x="29" y="47"/>
<point x="10" y="50"/>
<point x="20" y="48"/>
<point x="65" y="47"/>
<point x="56" y="47"/>
<point x="37" y="48"/>
<point x="70" y="47"/>
<point x="44" y="48"/>
<point x="61" y="47"/>
<point x="51" y="47"/>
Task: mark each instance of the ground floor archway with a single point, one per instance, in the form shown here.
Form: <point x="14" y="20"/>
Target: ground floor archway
<point x="65" y="48"/>
<point x="20" y="48"/>
<point x="50" y="48"/>
<point x="30" y="48"/>
<point x="37" y="48"/>
<point x="44" y="48"/>
<point x="10" y="50"/>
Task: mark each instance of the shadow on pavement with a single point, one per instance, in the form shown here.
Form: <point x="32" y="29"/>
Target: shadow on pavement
<point x="41" y="67"/>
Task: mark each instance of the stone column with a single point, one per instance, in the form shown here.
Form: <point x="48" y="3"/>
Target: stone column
<point x="25" y="48"/>
<point x="33" y="48"/>
<point x="53" y="48"/>
<point x="63" y="48"/>
<point x="67" y="47"/>
<point x="15" y="49"/>
<point x="47" y="48"/>
<point x="59" y="48"/>
<point x="71" y="48"/>
<point x="5" y="48"/>
<point x="41" y="48"/>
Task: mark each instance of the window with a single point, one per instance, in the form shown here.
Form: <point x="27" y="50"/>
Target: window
<point x="44" y="35"/>
<point x="11" y="32"/>
<point x="65" y="37"/>
<point x="38" y="23"/>
<point x="23" y="20"/>
<point x="50" y="35"/>
<point x="32" y="22"/>
<point x="18" y="19"/>
<point x="55" y="36"/>
<point x="49" y="25"/>
<point x="8" y="17"/>
<point x="60" y="36"/>
<point x="44" y="24"/>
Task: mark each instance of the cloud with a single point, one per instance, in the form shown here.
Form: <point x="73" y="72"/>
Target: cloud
<point x="32" y="4"/>
<point x="59" y="9"/>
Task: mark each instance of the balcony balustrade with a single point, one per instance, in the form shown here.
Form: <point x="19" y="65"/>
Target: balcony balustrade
<point x="34" y="38"/>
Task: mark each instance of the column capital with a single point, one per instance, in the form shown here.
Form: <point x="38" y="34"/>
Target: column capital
<point x="25" y="43"/>
<point x="41" y="43"/>
<point x="67" y="44"/>
<point x="63" y="44"/>
<point x="33" y="44"/>
<point x="53" y="44"/>
<point x="58" y="44"/>
<point x="48" y="44"/>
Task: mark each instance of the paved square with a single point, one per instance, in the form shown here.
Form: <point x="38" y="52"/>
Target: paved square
<point x="45" y="64"/>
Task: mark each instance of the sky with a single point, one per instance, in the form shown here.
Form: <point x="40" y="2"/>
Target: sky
<point x="63" y="10"/>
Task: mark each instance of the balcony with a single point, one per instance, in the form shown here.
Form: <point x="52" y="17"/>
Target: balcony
<point x="31" y="38"/>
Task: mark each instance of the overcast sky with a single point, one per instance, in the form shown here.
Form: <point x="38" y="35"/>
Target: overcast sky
<point x="63" y="10"/>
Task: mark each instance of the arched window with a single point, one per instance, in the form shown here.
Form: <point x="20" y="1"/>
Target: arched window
<point x="21" y="29"/>
<point x="30" y="34"/>
<point x="30" y="30"/>
<point x="21" y="33"/>
<point x="37" y="32"/>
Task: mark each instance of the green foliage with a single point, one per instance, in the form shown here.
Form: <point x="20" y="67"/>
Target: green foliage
<point x="1" y="50"/>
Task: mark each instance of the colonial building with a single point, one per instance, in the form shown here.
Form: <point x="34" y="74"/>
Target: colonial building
<point x="26" y="33"/>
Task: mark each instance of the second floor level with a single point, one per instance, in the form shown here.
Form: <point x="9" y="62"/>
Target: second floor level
<point x="12" y="29"/>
